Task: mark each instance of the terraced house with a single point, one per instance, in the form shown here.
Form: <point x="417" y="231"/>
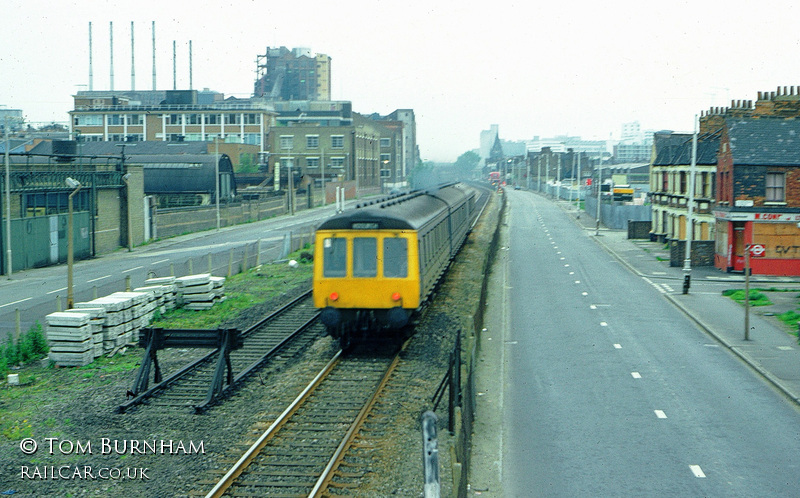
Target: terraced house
<point x="746" y="191"/>
<point x="758" y="199"/>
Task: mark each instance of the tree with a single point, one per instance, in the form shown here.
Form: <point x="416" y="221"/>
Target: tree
<point x="466" y="164"/>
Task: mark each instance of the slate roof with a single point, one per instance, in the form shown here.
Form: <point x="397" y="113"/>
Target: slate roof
<point x="681" y="153"/>
<point x="765" y="141"/>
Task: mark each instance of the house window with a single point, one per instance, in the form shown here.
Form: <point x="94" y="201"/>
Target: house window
<point x="337" y="162"/>
<point x="312" y="162"/>
<point x="312" y="141"/>
<point x="287" y="142"/>
<point x="386" y="158"/>
<point x="115" y="119"/>
<point x="683" y="183"/>
<point x="337" y="141"/>
<point x="704" y="185"/>
<point x="775" y="187"/>
<point x="134" y="119"/>
<point x="386" y="142"/>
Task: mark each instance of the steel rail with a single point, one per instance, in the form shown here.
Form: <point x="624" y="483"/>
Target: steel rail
<point x="234" y="472"/>
<point x="191" y="366"/>
<point x="327" y="474"/>
<point x="258" y="363"/>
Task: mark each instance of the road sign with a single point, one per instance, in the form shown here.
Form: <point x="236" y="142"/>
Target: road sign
<point x="757" y="250"/>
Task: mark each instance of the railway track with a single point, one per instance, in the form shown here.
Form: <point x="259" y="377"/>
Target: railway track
<point x="288" y="330"/>
<point x="298" y="455"/>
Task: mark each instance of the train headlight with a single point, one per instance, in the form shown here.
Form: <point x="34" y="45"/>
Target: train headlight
<point x="334" y="296"/>
<point x="396" y="297"/>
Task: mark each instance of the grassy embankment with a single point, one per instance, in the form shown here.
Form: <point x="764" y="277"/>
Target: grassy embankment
<point x="41" y="383"/>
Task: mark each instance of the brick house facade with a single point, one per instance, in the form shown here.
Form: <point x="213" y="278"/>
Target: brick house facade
<point x="758" y="195"/>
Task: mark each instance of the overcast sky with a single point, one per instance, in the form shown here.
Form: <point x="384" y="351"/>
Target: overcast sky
<point x="572" y="67"/>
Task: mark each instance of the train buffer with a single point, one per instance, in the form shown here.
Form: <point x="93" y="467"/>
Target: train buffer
<point x="223" y="340"/>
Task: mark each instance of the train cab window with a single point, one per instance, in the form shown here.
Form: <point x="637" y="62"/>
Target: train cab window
<point x="365" y="257"/>
<point x="334" y="262"/>
<point x="395" y="258"/>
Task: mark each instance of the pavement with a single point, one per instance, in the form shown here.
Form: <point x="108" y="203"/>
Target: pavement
<point x="770" y="350"/>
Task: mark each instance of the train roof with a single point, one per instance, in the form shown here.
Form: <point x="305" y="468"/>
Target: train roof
<point x="409" y="211"/>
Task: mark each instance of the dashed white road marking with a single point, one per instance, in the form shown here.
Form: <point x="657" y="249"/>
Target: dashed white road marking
<point x="592" y="307"/>
<point x="604" y="324"/>
<point x="584" y="293"/>
<point x="617" y="346"/>
<point x="636" y="375"/>
<point x="577" y="281"/>
<point x="133" y="269"/>
<point x="697" y="471"/>
<point x="159" y="262"/>
<point x="17" y="302"/>
<point x="99" y="278"/>
<point x="57" y="290"/>
<point x="660" y="413"/>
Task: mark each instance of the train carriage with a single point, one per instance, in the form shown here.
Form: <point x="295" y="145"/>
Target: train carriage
<point x="376" y="264"/>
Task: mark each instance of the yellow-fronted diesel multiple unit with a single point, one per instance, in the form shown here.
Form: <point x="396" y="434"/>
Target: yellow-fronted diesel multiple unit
<point x="376" y="264"/>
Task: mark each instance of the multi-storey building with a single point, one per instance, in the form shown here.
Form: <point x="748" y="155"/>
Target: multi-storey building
<point x="670" y="181"/>
<point x="341" y="152"/>
<point x="749" y="158"/>
<point x="170" y="116"/>
<point x="295" y="74"/>
<point x="399" y="150"/>
<point x="758" y="195"/>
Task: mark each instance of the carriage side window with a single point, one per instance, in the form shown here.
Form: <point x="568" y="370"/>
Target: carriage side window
<point x="334" y="257"/>
<point x="395" y="258"/>
<point x="365" y="257"/>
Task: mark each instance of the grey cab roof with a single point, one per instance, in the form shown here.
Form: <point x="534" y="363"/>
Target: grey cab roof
<point x="409" y="211"/>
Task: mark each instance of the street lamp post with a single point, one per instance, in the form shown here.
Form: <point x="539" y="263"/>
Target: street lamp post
<point x="216" y="178"/>
<point x="687" y="262"/>
<point x="76" y="185"/>
<point x="9" y="266"/>
<point x="599" y="193"/>
<point x="290" y="185"/>
<point x="125" y="177"/>
<point x="539" y="173"/>
<point x="322" y="165"/>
